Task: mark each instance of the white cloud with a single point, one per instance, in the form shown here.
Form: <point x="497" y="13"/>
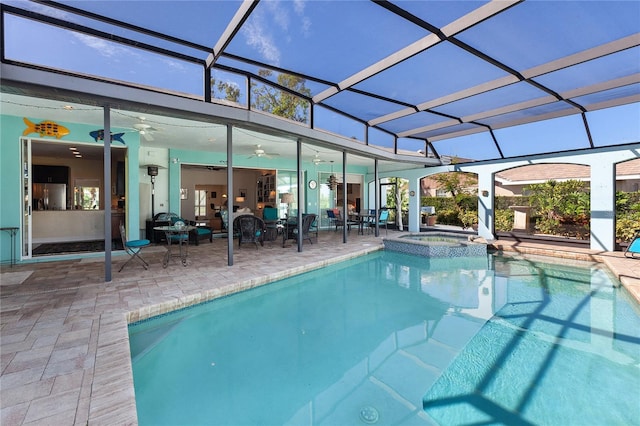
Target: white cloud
<point x="258" y="38"/>
<point x="103" y="47"/>
<point x="280" y="14"/>
<point x="298" y="7"/>
<point x="174" y="64"/>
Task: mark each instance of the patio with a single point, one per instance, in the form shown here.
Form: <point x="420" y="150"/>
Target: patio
<point x="562" y="85"/>
<point x="65" y="352"/>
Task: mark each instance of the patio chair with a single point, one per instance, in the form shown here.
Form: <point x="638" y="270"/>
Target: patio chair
<point x="634" y="246"/>
<point x="250" y="229"/>
<point x="383" y="219"/>
<point x="307" y="226"/>
<point x="133" y="249"/>
<point x="271" y="221"/>
<point x="335" y="218"/>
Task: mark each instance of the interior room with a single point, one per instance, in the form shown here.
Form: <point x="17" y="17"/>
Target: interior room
<point x="69" y="196"/>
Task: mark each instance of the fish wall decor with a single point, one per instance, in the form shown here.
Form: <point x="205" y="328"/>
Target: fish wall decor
<point x="45" y="128"/>
<point x="98" y="135"/>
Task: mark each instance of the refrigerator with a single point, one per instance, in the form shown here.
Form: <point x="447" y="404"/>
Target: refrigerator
<point x="49" y="196"/>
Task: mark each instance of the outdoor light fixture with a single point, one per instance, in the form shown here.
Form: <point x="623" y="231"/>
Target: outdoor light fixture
<point x="332" y="181"/>
<point x="153" y="172"/>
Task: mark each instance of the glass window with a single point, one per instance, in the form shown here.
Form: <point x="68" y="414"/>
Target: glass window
<point x="228" y="88"/>
<point x="614" y="126"/>
<point x="287" y="183"/>
<point x="87" y="194"/>
<point x="338" y="124"/>
<point x="409" y="146"/>
<point x="82" y="53"/>
<point x="200" y="200"/>
<point x="381" y="139"/>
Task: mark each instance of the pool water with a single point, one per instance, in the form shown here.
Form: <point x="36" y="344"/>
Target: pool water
<point x="392" y="338"/>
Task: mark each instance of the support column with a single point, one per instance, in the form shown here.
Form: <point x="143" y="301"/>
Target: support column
<point x="230" y="194"/>
<point x="107" y="199"/>
<point x="414" y="205"/>
<point x="603" y="205"/>
<point x="486" y="193"/>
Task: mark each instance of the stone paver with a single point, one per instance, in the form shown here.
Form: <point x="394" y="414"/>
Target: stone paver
<point x="64" y="340"/>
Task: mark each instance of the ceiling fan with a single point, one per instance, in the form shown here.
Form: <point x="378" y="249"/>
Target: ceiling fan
<point x="146" y="130"/>
<point x="259" y="152"/>
<point x="317" y="160"/>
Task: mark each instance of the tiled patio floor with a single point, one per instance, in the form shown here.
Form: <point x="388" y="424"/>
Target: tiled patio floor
<point x="64" y="342"/>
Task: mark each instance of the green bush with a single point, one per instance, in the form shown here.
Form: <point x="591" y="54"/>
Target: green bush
<point x="448" y="217"/>
<point x="467" y="202"/>
<point x="440" y="203"/>
<point x="626" y="225"/>
<point x="468" y="218"/>
<point x="503" y="220"/>
<point x="503" y="202"/>
<point x="548" y="225"/>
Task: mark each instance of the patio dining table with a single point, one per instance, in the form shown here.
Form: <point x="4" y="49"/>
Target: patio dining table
<point x="361" y="218"/>
<point x="176" y="234"/>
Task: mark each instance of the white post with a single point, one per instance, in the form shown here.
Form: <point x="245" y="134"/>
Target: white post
<point x="414" y="205"/>
<point x="603" y="204"/>
<point x="486" y="184"/>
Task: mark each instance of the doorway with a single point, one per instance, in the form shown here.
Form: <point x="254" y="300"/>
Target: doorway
<point x="65" y="197"/>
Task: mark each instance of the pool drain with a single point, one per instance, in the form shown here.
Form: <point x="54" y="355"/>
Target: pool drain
<point x="369" y="414"/>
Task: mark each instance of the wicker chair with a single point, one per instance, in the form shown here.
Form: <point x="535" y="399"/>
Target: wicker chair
<point x="307" y="229"/>
<point x="250" y="229"/>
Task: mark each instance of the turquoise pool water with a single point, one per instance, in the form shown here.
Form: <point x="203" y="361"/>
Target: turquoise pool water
<point x="392" y="338"/>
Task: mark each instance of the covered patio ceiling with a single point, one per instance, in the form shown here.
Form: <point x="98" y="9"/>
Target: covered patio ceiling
<point x="475" y="80"/>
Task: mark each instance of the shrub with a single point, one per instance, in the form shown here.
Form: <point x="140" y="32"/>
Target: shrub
<point x="626" y="225"/>
<point x="448" y="217"/>
<point x="468" y="218"/>
<point x="504" y="220"/>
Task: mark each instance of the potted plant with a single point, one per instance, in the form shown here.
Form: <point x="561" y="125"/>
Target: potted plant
<point x="429" y="213"/>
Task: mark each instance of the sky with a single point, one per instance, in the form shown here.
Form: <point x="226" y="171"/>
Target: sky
<point x="293" y="34"/>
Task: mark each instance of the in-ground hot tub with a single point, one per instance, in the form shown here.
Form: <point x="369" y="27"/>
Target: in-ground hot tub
<point x="436" y="244"/>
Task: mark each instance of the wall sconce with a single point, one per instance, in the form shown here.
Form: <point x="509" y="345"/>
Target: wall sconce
<point x="175" y="160"/>
<point x="485" y="193"/>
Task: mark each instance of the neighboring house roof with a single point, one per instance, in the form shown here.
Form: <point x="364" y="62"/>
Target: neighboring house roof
<point x="538" y="173"/>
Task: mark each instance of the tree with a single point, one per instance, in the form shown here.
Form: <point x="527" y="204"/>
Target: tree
<point x="397" y="192"/>
<point x="456" y="183"/>
<point x="560" y="203"/>
<point x="279" y="102"/>
<point x="270" y="99"/>
<point x="231" y="91"/>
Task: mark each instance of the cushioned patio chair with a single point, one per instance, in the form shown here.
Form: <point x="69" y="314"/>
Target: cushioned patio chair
<point x="335" y="218"/>
<point x="133" y="249"/>
<point x="383" y="220"/>
<point x="271" y="222"/>
<point x="633" y="248"/>
<point x="250" y="229"/>
<point x="307" y="226"/>
<point x="195" y="235"/>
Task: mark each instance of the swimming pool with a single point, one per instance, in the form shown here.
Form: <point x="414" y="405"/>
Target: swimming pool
<point x="392" y="338"/>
